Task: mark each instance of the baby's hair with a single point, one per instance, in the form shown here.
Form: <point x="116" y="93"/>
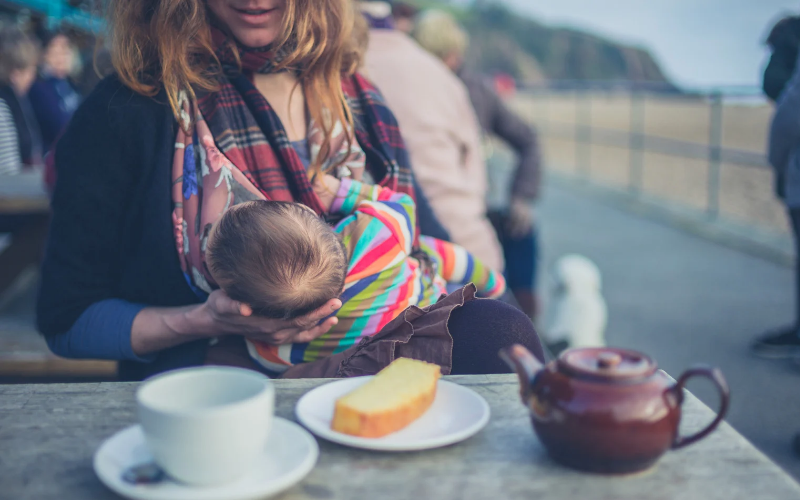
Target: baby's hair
<point x="280" y="258"/>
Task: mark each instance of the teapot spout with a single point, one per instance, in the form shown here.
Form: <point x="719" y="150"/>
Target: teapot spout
<point x="525" y="364"/>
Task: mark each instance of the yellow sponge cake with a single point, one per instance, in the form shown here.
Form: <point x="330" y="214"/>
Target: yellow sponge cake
<point x="395" y="397"/>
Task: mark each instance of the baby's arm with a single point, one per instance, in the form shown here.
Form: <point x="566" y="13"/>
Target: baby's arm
<point x="378" y="232"/>
<point x="456" y="265"/>
<point x="396" y="211"/>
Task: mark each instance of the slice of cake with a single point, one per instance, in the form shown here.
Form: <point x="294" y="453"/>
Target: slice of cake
<point x="395" y="397"/>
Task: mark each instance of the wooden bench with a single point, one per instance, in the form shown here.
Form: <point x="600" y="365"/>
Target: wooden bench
<point x="24" y="356"/>
<point x="24" y="213"/>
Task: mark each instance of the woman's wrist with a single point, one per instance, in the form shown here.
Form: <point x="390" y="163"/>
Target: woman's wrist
<point x="155" y="329"/>
<point x="192" y="321"/>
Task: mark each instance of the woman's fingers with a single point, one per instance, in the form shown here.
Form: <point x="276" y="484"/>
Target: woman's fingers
<point x="237" y="318"/>
<point x="295" y="334"/>
<point x="313" y="333"/>
<point x="223" y="304"/>
<point x="310" y="320"/>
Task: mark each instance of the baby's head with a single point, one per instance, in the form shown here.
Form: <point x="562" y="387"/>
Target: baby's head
<point x="279" y="258"/>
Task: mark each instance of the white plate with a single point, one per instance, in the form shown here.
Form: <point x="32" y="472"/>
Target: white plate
<point x="456" y="414"/>
<point x="292" y="454"/>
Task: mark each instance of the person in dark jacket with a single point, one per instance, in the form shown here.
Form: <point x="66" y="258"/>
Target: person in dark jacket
<point x="784" y="41"/>
<point x="20" y="144"/>
<point x="784" y="156"/>
<point x="53" y="96"/>
<point x="513" y="214"/>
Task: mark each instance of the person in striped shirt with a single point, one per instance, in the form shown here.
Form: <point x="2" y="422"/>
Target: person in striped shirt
<point x="283" y="261"/>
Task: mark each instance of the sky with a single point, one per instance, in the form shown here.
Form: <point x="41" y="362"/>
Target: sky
<point x="698" y="43"/>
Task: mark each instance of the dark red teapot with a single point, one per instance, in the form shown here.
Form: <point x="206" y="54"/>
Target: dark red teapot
<point x="607" y="410"/>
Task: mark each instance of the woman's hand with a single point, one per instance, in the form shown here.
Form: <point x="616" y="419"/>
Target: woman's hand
<point x="155" y="329"/>
<point x="231" y="317"/>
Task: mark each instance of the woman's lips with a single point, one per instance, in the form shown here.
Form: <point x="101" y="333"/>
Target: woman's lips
<point x="255" y="16"/>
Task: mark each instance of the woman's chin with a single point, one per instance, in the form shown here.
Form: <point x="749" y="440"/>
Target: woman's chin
<point x="255" y="38"/>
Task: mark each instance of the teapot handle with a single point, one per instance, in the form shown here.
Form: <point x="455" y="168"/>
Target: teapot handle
<point x="716" y="376"/>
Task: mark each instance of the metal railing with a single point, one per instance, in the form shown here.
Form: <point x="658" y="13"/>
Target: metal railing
<point x="636" y="140"/>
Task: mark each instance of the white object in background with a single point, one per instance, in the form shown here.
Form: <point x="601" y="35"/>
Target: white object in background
<point x="207" y="425"/>
<point x="578" y="311"/>
<point x="290" y="455"/>
<point x="456" y="414"/>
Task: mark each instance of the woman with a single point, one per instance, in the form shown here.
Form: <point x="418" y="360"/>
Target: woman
<point x="53" y="97"/>
<point x="19" y="137"/>
<point x="217" y="102"/>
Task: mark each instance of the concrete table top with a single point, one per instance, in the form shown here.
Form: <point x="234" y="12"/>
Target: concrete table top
<point x="49" y="433"/>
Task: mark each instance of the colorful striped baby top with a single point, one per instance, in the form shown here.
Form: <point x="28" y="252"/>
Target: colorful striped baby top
<point x="383" y="278"/>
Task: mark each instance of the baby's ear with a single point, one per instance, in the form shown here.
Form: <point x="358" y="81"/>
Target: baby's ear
<point x="245" y="310"/>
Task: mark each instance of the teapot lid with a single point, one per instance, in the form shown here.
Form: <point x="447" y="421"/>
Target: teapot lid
<point x="607" y="364"/>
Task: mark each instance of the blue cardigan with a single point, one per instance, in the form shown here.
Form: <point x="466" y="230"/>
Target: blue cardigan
<point x="111" y="250"/>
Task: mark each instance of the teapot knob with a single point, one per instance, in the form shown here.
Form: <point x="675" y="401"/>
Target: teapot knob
<point x="608" y="360"/>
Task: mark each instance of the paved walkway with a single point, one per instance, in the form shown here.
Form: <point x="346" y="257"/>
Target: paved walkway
<point x="685" y="300"/>
<point x="677" y="297"/>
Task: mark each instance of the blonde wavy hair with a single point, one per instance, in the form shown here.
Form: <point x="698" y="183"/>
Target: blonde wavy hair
<point x="439" y="33"/>
<point x="167" y="43"/>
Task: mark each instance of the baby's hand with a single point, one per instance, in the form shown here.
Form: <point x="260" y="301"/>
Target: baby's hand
<point x="326" y="186"/>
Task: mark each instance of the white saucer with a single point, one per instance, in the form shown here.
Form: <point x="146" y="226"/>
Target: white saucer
<point x="293" y="453"/>
<point x="457" y="413"/>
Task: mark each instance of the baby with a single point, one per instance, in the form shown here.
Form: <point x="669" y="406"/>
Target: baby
<point x="284" y="262"/>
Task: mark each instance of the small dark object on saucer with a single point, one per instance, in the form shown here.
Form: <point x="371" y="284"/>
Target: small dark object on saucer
<point x="146" y="473"/>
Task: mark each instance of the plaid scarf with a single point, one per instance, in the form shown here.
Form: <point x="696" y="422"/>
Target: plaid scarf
<point x="232" y="148"/>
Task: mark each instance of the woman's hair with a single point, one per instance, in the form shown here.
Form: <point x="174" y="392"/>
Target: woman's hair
<point x="17" y="52"/>
<point x="440" y="34"/>
<point x="277" y="257"/>
<point x="168" y="43"/>
<point x="359" y="43"/>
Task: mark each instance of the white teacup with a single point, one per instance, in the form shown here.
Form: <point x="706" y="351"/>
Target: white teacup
<point x="206" y="426"/>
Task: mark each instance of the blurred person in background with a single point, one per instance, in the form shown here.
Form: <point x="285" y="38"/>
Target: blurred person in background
<point x="404" y="14"/>
<point x="784" y="156"/>
<point x="783" y="41"/>
<point x="53" y="96"/>
<point x="86" y="76"/>
<point x="440" y="129"/>
<point x="20" y="143"/>
<point x="429" y="224"/>
<point x="512" y="214"/>
<point x="98" y="67"/>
